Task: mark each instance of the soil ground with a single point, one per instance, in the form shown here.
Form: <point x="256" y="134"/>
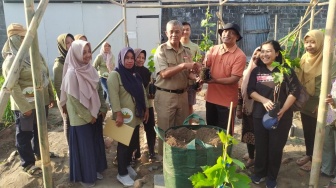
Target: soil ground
<point x="11" y="175"/>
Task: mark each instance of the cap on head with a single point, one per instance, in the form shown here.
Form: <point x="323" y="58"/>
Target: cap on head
<point x="269" y="122"/>
<point x="231" y="26"/>
<point x="16" y="29"/>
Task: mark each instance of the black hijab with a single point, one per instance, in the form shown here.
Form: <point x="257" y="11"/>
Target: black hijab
<point x="132" y="82"/>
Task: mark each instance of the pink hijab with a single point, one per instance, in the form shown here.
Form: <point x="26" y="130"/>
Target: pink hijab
<point x="80" y="80"/>
<point x="107" y="57"/>
<point x="248" y="103"/>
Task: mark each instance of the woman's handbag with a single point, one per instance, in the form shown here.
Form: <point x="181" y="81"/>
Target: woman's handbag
<point x="300" y="102"/>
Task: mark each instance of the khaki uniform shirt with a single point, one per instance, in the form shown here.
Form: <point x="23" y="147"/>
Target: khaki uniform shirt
<point x="22" y="93"/>
<point x="194" y="49"/>
<point x="164" y="57"/>
<point x="100" y="65"/>
<point x="78" y="113"/>
<point x="58" y="74"/>
<point x="121" y="99"/>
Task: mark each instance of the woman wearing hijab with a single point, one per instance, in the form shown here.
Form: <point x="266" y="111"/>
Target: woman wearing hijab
<point x="245" y="107"/>
<point x="82" y="98"/>
<point x="309" y="76"/>
<point x="63" y="44"/>
<point x="130" y="107"/>
<point x="22" y="98"/>
<point x="81" y="37"/>
<point x="104" y="64"/>
<point x="140" y="58"/>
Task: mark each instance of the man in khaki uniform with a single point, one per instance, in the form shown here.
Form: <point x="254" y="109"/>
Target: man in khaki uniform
<point x="173" y="68"/>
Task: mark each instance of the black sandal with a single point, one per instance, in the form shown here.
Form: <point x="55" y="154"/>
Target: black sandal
<point x="32" y="170"/>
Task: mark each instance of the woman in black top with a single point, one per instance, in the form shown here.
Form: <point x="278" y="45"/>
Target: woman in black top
<point x="269" y="144"/>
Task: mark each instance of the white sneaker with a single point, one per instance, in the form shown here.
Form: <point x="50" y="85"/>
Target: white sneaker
<point x="131" y="172"/>
<point x="99" y="176"/>
<point x="125" y="180"/>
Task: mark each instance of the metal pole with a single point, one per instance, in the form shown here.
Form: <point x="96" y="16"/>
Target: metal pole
<point x="219" y="26"/>
<point x="328" y="54"/>
<point x="218" y="4"/>
<point x="27" y="41"/>
<point x="108" y="35"/>
<point x="125" y="23"/>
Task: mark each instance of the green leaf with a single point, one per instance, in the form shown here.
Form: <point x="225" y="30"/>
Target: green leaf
<point x="238" y="163"/>
<point x="222" y="136"/>
<point x="278" y="77"/>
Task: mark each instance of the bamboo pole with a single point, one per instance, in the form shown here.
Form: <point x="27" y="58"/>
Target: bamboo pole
<point x="108" y="35"/>
<point x="324" y="3"/>
<point x="27" y="41"/>
<point x="35" y="59"/>
<point x="297" y="29"/>
<point x="225" y="146"/>
<point x="220" y="18"/>
<point x="275" y="26"/>
<point x="116" y="3"/>
<point x="328" y="50"/>
<point x="299" y="42"/>
<point x="218" y="4"/>
<point x="125" y="23"/>
<point x="308" y="10"/>
<point x="312" y="18"/>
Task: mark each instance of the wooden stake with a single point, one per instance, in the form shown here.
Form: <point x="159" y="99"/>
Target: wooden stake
<point x="328" y="54"/>
<point x="35" y="59"/>
<point x="275" y="26"/>
<point x="299" y="42"/>
<point x="312" y="16"/>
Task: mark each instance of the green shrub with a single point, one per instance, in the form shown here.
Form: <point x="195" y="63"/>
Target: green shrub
<point x="8" y="116"/>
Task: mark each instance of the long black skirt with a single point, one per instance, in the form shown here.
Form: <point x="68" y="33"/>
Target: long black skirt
<point x="99" y="145"/>
<point x="82" y="156"/>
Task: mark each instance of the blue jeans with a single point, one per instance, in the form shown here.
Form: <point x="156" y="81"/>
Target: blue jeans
<point x="103" y="82"/>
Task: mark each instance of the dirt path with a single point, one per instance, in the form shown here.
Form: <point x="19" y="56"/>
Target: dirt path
<point x="11" y="175"/>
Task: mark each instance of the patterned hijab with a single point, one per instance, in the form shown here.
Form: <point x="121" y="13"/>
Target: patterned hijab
<point x="61" y="45"/>
<point x="142" y="71"/>
<point x="132" y="82"/>
<point x="311" y="64"/>
<point x="108" y="57"/>
<point x="76" y="73"/>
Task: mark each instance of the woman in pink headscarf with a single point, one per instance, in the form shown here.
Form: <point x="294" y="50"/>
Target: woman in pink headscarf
<point x="245" y="107"/>
<point x="82" y="99"/>
<point x="104" y="64"/>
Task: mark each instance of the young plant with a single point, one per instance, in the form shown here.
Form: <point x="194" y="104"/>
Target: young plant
<point x="223" y="174"/>
<point x="206" y="42"/>
<point x="151" y="64"/>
